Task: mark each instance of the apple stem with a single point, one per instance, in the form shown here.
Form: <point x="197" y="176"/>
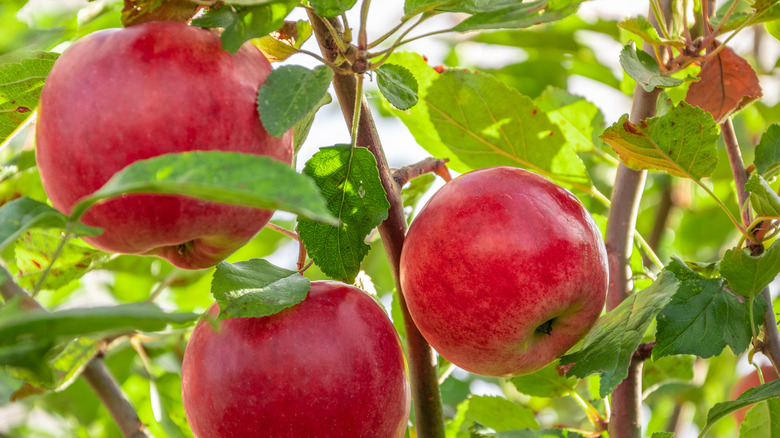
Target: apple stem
<point x="428" y="165"/>
<point x="95" y="373"/>
<point x="429" y="421"/>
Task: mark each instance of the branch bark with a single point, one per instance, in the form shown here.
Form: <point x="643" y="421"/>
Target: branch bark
<point x="626" y="421"/>
<point x="95" y="373"/>
<point x="771" y="345"/>
<point x="429" y="421"/>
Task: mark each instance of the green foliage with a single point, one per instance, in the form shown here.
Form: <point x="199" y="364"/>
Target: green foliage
<point x="682" y="142"/>
<point x="547" y="382"/>
<point x="644" y="69"/>
<point x="753" y="395"/>
<point x="608" y="347"/>
<point x="289" y="94"/>
<point x="484" y="123"/>
<point x="748" y="275"/>
<point x="397" y="85"/>
<point x="496" y="413"/>
<point x="349" y="180"/>
<point x="768" y="152"/>
<point x="229" y="177"/>
<point x="763" y="199"/>
<point x="21" y="82"/>
<point x="302" y="127"/>
<point x="331" y="8"/>
<point x="702" y="309"/>
<point x="242" y="23"/>
<point x="23" y="214"/>
<point x="35" y="250"/>
<point x="580" y="121"/>
<point x="256" y="288"/>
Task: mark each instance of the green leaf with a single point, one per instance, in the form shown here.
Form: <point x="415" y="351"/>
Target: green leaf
<point x="331" y="8"/>
<point x="702" y="309"/>
<point x="67" y="324"/>
<point x="760" y="393"/>
<point x="485" y="123"/>
<point x="23" y="214"/>
<point x="762" y="420"/>
<point x="748" y="275"/>
<point x="254" y="22"/>
<point x="511" y="14"/>
<point x="667" y="371"/>
<point x="228" y="177"/>
<point x="417" y="119"/>
<point x="414" y="7"/>
<point x="301" y="129"/>
<point x="285" y="42"/>
<point x="35" y="250"/>
<point x="641" y="27"/>
<point x="289" y="94"/>
<point x="546" y="382"/>
<point x="608" y="347"/>
<point x="528" y="433"/>
<point x="219" y="17"/>
<point x="496" y="413"/>
<point x="681" y="143"/>
<point x="579" y="120"/>
<point x="349" y="180"/>
<point x="21" y="81"/>
<point x="255" y="288"/>
<point x="763" y="199"/>
<point x="412" y="194"/>
<point x="167" y="406"/>
<point x="662" y="435"/>
<point x="397" y="85"/>
<point x="56" y="368"/>
<point x="644" y="69"/>
<point x="767" y="159"/>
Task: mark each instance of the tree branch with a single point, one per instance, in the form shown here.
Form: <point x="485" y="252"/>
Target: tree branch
<point x="428" y="417"/>
<point x="626" y="418"/>
<point x="428" y="165"/>
<point x="771" y="346"/>
<point x="95" y="373"/>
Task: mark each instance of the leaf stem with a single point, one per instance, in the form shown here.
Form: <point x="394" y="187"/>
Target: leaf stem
<point x="66" y="235"/>
<point x="362" y="38"/>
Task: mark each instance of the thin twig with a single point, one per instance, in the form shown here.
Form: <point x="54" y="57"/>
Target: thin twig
<point x="428" y="165"/>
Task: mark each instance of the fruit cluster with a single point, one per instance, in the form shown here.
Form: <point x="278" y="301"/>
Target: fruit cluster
<point x="503" y="271"/>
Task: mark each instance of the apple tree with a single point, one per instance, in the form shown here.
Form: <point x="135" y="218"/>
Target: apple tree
<point x="144" y="146"/>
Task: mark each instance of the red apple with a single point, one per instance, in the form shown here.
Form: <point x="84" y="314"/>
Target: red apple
<point x="751" y="381"/>
<point x="121" y="95"/>
<point x="330" y="366"/>
<point x="503" y="271"/>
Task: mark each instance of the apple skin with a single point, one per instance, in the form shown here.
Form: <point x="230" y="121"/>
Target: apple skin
<point x="494" y="255"/>
<point x="750" y="381"/>
<point x="330" y="366"/>
<point x="121" y="95"/>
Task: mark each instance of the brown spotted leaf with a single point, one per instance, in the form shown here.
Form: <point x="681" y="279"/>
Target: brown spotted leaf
<point x="143" y="11"/>
<point x="728" y="84"/>
<point x="681" y="142"/>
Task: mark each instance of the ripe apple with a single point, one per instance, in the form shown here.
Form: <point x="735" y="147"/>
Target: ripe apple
<point x="751" y="381"/>
<point x="121" y="95"/>
<point x="503" y="271"/>
<point x="330" y="366"/>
